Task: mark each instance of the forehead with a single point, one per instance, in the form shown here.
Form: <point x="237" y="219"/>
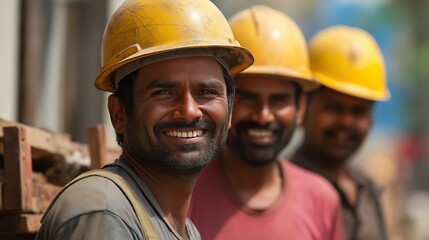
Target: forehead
<point x="325" y="95"/>
<point x="180" y="69"/>
<point x="261" y="84"/>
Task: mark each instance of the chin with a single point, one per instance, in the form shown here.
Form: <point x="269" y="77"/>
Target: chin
<point x="252" y="160"/>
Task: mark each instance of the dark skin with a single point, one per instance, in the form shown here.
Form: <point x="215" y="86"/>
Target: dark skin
<point x="265" y="115"/>
<point x="336" y="125"/>
<point x="180" y="113"/>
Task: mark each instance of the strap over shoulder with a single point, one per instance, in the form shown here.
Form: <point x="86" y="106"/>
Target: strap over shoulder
<point x="146" y="224"/>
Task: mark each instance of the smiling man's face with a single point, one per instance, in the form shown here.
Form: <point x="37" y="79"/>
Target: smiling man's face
<point x="180" y="116"/>
<point x="264" y="117"/>
<point x="335" y="125"/>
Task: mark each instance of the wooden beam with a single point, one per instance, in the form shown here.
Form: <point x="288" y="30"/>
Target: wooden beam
<point x="18" y="175"/>
<point x="46" y="146"/>
<point x="1" y="195"/>
<point x="97" y="145"/>
<point x="19" y="223"/>
<point x="42" y="140"/>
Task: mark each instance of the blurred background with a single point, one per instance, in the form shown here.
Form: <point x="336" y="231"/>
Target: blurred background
<point x="50" y="56"/>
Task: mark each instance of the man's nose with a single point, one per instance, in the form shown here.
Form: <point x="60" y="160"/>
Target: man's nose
<point x="346" y="119"/>
<point x="187" y="108"/>
<point x="264" y="114"/>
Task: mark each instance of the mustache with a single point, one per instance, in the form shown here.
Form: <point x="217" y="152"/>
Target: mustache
<point x="350" y="131"/>
<point x="273" y="126"/>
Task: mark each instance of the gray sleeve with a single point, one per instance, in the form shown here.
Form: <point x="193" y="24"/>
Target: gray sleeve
<point x="95" y="225"/>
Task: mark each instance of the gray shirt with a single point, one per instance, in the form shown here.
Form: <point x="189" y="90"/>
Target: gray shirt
<point x="365" y="220"/>
<point x="95" y="208"/>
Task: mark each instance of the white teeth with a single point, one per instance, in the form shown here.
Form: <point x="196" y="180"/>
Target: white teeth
<point x="260" y="133"/>
<point x="187" y="134"/>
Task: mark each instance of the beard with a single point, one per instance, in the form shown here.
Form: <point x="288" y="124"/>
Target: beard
<point x="259" y="155"/>
<point x="187" y="159"/>
<point x="338" y="155"/>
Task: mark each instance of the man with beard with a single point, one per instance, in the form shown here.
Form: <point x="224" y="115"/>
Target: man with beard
<point x="168" y="65"/>
<point x="350" y="67"/>
<point x="249" y="192"/>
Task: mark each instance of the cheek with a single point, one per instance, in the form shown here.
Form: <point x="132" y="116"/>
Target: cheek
<point x="319" y="122"/>
<point x="364" y="125"/>
<point x="287" y="114"/>
<point x="217" y="111"/>
<point x="239" y="114"/>
<point x="147" y="115"/>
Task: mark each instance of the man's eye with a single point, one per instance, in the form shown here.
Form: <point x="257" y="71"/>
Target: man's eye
<point x="281" y="98"/>
<point x="162" y="92"/>
<point x="207" y="92"/>
<point x="333" y="107"/>
<point x="243" y="98"/>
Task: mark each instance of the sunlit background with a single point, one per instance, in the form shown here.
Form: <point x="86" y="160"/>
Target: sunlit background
<point x="50" y="56"/>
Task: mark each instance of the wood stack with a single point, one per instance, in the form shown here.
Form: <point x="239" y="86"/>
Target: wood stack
<point x="25" y="193"/>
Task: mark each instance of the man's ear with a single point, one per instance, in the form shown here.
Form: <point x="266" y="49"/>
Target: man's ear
<point x="230" y="112"/>
<point x="302" y="107"/>
<point x="117" y="113"/>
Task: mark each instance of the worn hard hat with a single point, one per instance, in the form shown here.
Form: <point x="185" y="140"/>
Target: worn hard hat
<point x="145" y="31"/>
<point x="276" y="42"/>
<point x="349" y="60"/>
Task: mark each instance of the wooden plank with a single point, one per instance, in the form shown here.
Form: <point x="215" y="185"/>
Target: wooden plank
<point x="1" y="195"/>
<point x="43" y="193"/>
<point x="40" y="139"/>
<point x="18" y="236"/>
<point x="18" y="176"/>
<point x="20" y="223"/>
<point x="46" y="147"/>
<point x="97" y="145"/>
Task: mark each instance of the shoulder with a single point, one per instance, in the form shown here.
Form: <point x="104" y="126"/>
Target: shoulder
<point x="365" y="180"/>
<point x="89" y="197"/>
<point x="209" y="176"/>
<point x="308" y="183"/>
<point x="94" y="225"/>
<point x="93" y="194"/>
<point x="192" y="230"/>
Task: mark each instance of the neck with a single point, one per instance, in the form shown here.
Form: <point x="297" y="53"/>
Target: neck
<point x="334" y="170"/>
<point x="327" y="167"/>
<point x="172" y="192"/>
<point x="257" y="186"/>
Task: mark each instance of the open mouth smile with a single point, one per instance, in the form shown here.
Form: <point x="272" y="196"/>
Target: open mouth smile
<point x="260" y="133"/>
<point x="184" y="134"/>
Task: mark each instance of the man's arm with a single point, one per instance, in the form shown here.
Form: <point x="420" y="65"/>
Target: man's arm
<point x="95" y="225"/>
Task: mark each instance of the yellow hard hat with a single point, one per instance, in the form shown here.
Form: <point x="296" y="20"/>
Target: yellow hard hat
<point x="145" y="31"/>
<point x="276" y="42"/>
<point x="349" y="60"/>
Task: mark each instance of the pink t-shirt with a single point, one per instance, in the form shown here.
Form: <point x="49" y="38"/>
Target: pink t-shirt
<point x="307" y="209"/>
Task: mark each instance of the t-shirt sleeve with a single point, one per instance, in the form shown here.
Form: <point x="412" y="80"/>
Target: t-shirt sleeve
<point x="95" y="225"/>
<point x="337" y="230"/>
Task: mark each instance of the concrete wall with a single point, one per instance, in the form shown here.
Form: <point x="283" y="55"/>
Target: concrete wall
<point x="9" y="46"/>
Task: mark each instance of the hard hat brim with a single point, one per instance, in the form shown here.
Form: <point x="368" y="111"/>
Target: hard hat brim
<point x="352" y="89"/>
<point x="304" y="78"/>
<point x="237" y="58"/>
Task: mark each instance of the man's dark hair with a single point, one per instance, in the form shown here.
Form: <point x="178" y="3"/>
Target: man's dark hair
<point x="298" y="93"/>
<point x="125" y="90"/>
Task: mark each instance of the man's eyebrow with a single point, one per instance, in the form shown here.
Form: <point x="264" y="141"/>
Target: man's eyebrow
<point x="246" y="93"/>
<point x="210" y="84"/>
<point x="159" y="83"/>
<point x="283" y="94"/>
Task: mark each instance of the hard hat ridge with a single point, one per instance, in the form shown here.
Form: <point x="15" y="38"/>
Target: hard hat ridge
<point x="348" y="60"/>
